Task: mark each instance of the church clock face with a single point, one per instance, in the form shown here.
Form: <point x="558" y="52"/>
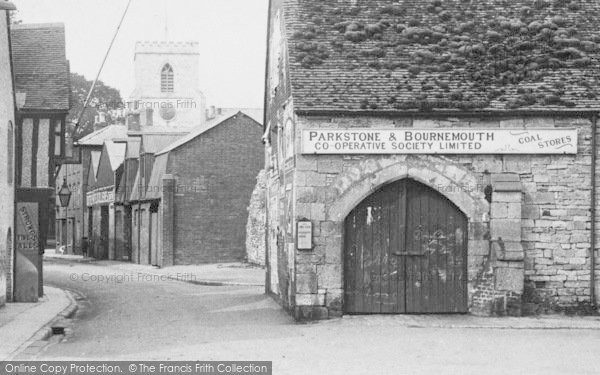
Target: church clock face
<point x="168" y="113"/>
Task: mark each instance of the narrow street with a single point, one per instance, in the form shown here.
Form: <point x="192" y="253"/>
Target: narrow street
<point x="174" y="320"/>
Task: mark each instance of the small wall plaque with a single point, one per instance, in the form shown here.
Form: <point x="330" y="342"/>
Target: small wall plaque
<point x="304" y="235"/>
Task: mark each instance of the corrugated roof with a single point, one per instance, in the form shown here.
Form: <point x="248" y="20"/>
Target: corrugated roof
<point x="132" y="166"/>
<point x="200" y="130"/>
<point x="121" y="193"/>
<point x="40" y="66"/>
<point x="136" y="191"/>
<point x="154" y="190"/>
<point x="133" y="148"/>
<point x="406" y="55"/>
<point x="107" y="133"/>
<point x="153" y="143"/>
<point x="95" y="155"/>
<point x="116" y="153"/>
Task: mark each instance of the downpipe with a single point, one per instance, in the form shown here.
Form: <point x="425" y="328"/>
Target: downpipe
<point x="593" y="214"/>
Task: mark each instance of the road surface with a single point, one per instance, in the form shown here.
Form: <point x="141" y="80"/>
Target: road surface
<point x="132" y="319"/>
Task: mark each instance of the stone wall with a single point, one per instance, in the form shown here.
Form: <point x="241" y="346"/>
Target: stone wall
<point x="529" y="250"/>
<point x="257" y="216"/>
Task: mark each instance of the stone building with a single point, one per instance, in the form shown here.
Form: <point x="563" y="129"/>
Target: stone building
<point x="7" y="192"/>
<point x="166" y="93"/>
<point x="200" y="189"/>
<point x="432" y="157"/>
<point x="42" y="89"/>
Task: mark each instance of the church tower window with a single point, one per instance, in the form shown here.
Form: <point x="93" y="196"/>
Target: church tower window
<point x="166" y="79"/>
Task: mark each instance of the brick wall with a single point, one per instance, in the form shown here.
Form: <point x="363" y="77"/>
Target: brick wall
<point x="215" y="174"/>
<point x="552" y="217"/>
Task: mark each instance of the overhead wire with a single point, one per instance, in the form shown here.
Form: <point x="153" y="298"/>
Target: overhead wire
<point x="91" y="91"/>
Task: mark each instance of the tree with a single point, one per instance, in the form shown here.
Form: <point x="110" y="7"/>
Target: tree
<point x="14" y="17"/>
<point x="104" y="98"/>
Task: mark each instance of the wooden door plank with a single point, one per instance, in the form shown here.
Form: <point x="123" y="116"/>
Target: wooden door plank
<point x="412" y="222"/>
<point x="349" y="254"/>
<point x="400" y="247"/>
<point x="388" y="300"/>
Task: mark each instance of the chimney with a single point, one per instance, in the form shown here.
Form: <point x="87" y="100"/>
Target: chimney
<point x="133" y="122"/>
<point x="149" y="117"/>
<point x="213" y="112"/>
<point x="97" y="123"/>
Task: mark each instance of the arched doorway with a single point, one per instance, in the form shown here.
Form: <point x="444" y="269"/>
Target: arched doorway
<point x="405" y="251"/>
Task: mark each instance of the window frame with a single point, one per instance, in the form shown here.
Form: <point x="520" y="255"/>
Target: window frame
<point x="167" y="79"/>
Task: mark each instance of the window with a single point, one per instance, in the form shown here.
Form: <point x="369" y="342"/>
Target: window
<point x="58" y="144"/>
<point x="166" y="79"/>
<point x="10" y="149"/>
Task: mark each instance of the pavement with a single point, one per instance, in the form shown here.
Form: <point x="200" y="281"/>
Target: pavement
<point x="541" y="322"/>
<point x="21" y="324"/>
<point x="222" y="274"/>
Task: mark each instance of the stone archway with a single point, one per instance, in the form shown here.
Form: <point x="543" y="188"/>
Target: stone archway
<point x="405" y="251"/>
<point x="458" y="185"/>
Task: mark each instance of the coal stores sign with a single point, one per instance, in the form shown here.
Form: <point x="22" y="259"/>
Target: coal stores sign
<point x="439" y="141"/>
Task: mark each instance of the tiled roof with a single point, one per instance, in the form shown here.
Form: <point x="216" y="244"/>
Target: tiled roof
<point x="469" y="55"/>
<point x="41" y="66"/>
<point x="107" y="133"/>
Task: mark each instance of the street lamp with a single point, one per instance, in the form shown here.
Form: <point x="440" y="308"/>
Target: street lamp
<point x="64" y="194"/>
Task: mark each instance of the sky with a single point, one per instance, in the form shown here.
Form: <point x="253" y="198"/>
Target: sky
<point x="231" y="33"/>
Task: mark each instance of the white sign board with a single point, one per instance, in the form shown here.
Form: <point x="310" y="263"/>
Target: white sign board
<point x="304" y="235"/>
<point x="439" y="141"/>
<point x="101" y="196"/>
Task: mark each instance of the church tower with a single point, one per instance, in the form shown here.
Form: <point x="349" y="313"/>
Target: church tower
<point x="166" y="90"/>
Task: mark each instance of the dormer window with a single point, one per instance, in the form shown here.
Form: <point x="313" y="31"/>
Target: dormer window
<point x="166" y="79"/>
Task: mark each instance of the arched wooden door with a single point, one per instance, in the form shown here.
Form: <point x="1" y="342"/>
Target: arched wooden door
<point x="405" y="252"/>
